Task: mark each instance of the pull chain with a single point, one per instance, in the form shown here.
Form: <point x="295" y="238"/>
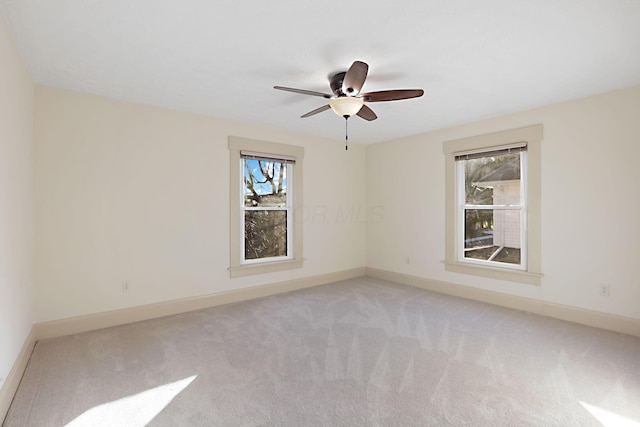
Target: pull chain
<point x="346" y="133"/>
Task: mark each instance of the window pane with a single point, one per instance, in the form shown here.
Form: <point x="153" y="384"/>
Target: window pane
<point x="265" y="183"/>
<point x="478" y="228"/>
<point x="492" y="235"/>
<point x="265" y="234"/>
<point x="493" y="180"/>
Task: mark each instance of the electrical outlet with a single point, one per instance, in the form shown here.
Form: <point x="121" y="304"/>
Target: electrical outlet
<point x="125" y="286"/>
<point x="605" y="290"/>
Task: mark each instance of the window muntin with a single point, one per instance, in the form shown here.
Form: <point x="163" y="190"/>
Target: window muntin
<point x="491" y="210"/>
<point x="266" y="209"/>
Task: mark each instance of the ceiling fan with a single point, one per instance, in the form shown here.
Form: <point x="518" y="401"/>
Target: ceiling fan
<point x="347" y="100"/>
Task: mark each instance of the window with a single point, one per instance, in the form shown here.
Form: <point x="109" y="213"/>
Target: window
<point x="265" y="191"/>
<point x="490" y="189"/>
<point x="266" y="208"/>
<point x="493" y="205"/>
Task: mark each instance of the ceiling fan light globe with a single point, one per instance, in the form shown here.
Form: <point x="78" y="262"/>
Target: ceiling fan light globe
<point x="346" y="105"/>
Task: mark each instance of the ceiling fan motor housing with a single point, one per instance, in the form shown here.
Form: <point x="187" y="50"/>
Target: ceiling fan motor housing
<point x="335" y="82"/>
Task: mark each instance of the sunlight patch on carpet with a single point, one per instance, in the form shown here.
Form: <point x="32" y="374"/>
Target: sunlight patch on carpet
<point x="135" y="410"/>
<point x="608" y="418"/>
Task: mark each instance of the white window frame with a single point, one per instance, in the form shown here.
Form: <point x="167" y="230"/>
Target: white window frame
<point x="462" y="206"/>
<point x="529" y="271"/>
<point x="238" y="266"/>
<point x="288" y="208"/>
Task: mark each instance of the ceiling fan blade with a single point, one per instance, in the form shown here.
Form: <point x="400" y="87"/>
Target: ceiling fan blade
<point x="367" y="113"/>
<point x="392" y="95"/>
<point x="303" y="91"/>
<point x="316" y="111"/>
<point x="355" y="77"/>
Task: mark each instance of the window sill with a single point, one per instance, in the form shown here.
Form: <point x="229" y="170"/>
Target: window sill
<point x="264" y="267"/>
<point x="495" y="273"/>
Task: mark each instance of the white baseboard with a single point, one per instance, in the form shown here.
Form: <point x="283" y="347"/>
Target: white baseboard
<point x="12" y="382"/>
<point x="57" y="328"/>
<point x="597" y="319"/>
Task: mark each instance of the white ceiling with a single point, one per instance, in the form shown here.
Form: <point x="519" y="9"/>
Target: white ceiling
<point x="474" y="59"/>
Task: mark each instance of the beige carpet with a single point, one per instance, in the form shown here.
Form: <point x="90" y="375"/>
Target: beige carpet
<point x="354" y="353"/>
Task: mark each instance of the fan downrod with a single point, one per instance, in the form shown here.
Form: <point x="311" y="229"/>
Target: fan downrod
<point x="335" y="83"/>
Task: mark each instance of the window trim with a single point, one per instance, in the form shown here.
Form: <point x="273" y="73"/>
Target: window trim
<point x="237" y="266"/>
<point x="532" y="136"/>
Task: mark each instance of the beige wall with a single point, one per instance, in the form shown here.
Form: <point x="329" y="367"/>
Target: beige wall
<point x="137" y="193"/>
<point x="16" y="203"/>
<point x="590" y="199"/>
